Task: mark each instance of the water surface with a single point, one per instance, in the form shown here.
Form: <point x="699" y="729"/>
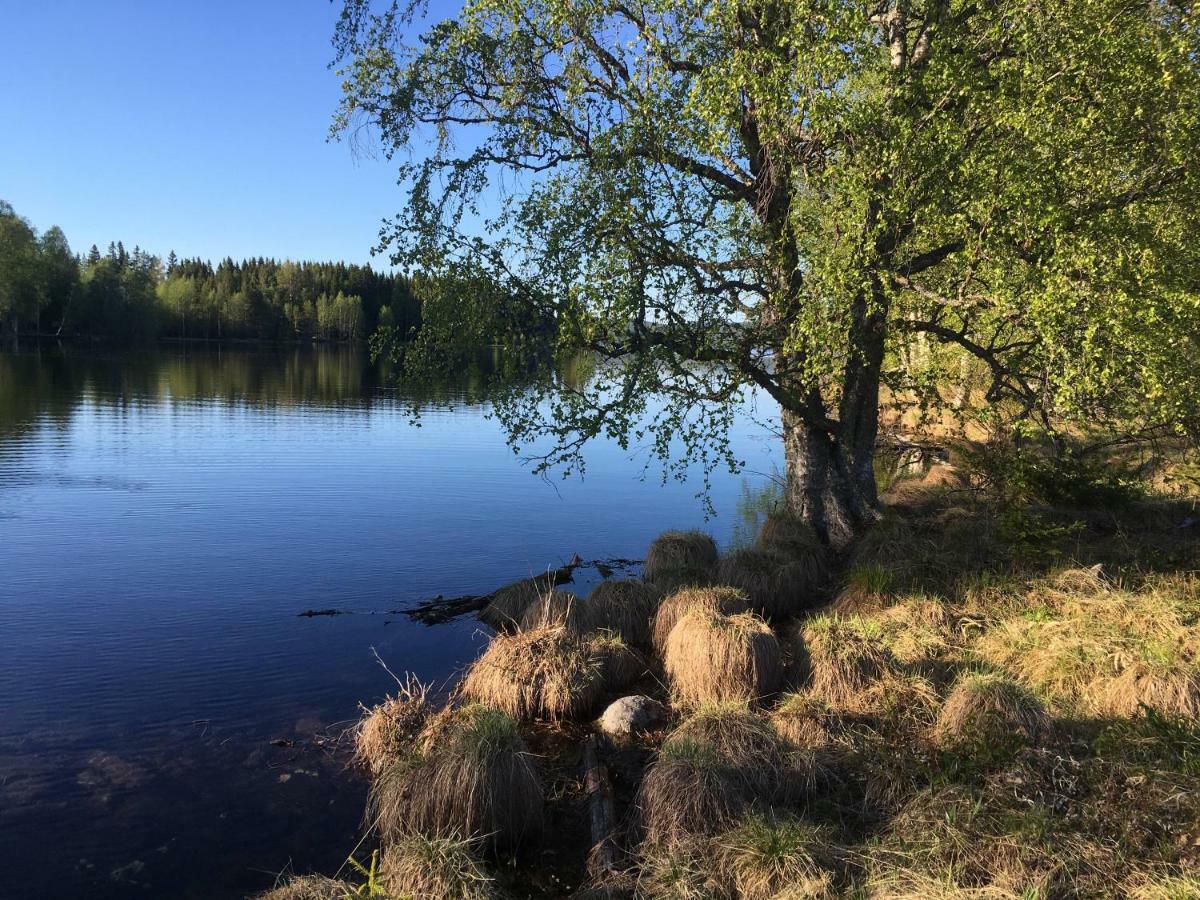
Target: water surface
<point x="168" y="723"/>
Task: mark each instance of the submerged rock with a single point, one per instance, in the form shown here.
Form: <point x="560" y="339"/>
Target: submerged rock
<point x="632" y="714"/>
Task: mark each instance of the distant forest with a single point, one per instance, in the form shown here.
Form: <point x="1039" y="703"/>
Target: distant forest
<point x="131" y="295"/>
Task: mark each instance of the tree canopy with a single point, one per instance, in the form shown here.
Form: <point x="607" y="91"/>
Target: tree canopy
<point x="787" y="193"/>
<point x="779" y="193"/>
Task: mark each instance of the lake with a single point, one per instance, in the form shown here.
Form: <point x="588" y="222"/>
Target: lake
<point x="169" y="724"/>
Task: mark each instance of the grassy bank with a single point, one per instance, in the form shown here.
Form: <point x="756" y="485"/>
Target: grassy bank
<point x="994" y="694"/>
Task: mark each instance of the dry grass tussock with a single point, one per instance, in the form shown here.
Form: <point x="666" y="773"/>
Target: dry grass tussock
<point x="761" y="857"/>
<point x="712" y="657"/>
<point x="620" y="664"/>
<point x="681" y="871"/>
<point x="547" y="673"/>
<point x="1087" y="645"/>
<point x="777" y="585"/>
<point x="966" y="841"/>
<point x="387" y="731"/>
<point x="1046" y="824"/>
<point x="744" y="740"/>
<point x="725" y="600"/>
<point x="886" y="764"/>
<point x="711" y="769"/>
<point x="918" y="630"/>
<point x="435" y="868"/>
<point x="689" y="790"/>
<point x="678" y="558"/>
<point x="624" y="606"/>
<point x="846" y="657"/>
<point x="866" y="589"/>
<point x="940" y="484"/>
<point x="905" y="884"/>
<point x="986" y="710"/>
<point x="903" y="701"/>
<point x="804" y="720"/>
<point x="791" y="536"/>
<point x="508" y="604"/>
<point x="555" y="609"/>
<point x="309" y="887"/>
<point x="476" y="779"/>
<point x="772" y="858"/>
<point x="881" y="745"/>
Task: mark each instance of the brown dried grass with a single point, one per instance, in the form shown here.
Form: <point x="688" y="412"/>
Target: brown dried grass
<point x="711" y="657"/>
<point x="625" y="606"/>
<point x="508" y="605"/>
<point x="966" y="840"/>
<point x="476" y="779"/>
<point x="936" y="487"/>
<point x="1087" y="645"/>
<point x="846" y="657"/>
<point x="725" y="600"/>
<point x="435" y="868"/>
<point x="918" y="630"/>
<point x="388" y="730"/>
<point x="620" y="664"/>
<point x="546" y="673"/>
<point x="688" y="791"/>
<point x="804" y="720"/>
<point x="777" y="585"/>
<point x="1177" y="886"/>
<point x="555" y="609"/>
<point x="680" y="557"/>
<point x="903" y="554"/>
<point x="717" y="764"/>
<point x="790" y="535"/>
<point x="905" y="884"/>
<point x="309" y="887"/>
<point x="947" y="475"/>
<point x="985" y="709"/>
<point x="680" y="871"/>
<point x="775" y="858"/>
<point x="1172" y="688"/>
<point x="745" y="742"/>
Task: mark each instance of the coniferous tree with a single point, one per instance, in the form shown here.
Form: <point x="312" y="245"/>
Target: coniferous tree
<point x="133" y="295"/>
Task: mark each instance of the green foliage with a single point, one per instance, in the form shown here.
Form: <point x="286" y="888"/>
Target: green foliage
<point x="768" y="193"/>
<point x="461" y="314"/>
<point x="371" y="886"/>
<point x="20" y="287"/>
<point x="1023" y="472"/>
<point x="871" y="578"/>
<point x="1034" y="536"/>
<point x="131" y="296"/>
<point x="1153" y="740"/>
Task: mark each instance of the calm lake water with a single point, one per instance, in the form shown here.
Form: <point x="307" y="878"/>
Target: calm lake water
<point x="168" y="723"/>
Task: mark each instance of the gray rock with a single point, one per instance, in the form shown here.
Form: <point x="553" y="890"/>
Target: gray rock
<point x="632" y="714"/>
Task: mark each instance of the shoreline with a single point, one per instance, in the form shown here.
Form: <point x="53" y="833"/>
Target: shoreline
<point x="889" y="700"/>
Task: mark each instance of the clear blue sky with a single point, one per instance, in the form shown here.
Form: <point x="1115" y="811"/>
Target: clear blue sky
<point x="198" y="127"/>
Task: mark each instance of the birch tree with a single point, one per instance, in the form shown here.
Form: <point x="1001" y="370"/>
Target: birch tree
<point x="779" y="193"/>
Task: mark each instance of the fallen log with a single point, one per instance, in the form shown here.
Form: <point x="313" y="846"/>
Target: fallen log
<point x="602" y="859"/>
<point x="443" y="609"/>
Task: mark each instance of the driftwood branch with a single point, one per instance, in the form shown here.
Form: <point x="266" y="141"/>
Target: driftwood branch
<point x="443" y="609"/>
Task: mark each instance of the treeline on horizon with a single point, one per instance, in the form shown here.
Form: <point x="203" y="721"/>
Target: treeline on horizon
<point x="47" y="289"/>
